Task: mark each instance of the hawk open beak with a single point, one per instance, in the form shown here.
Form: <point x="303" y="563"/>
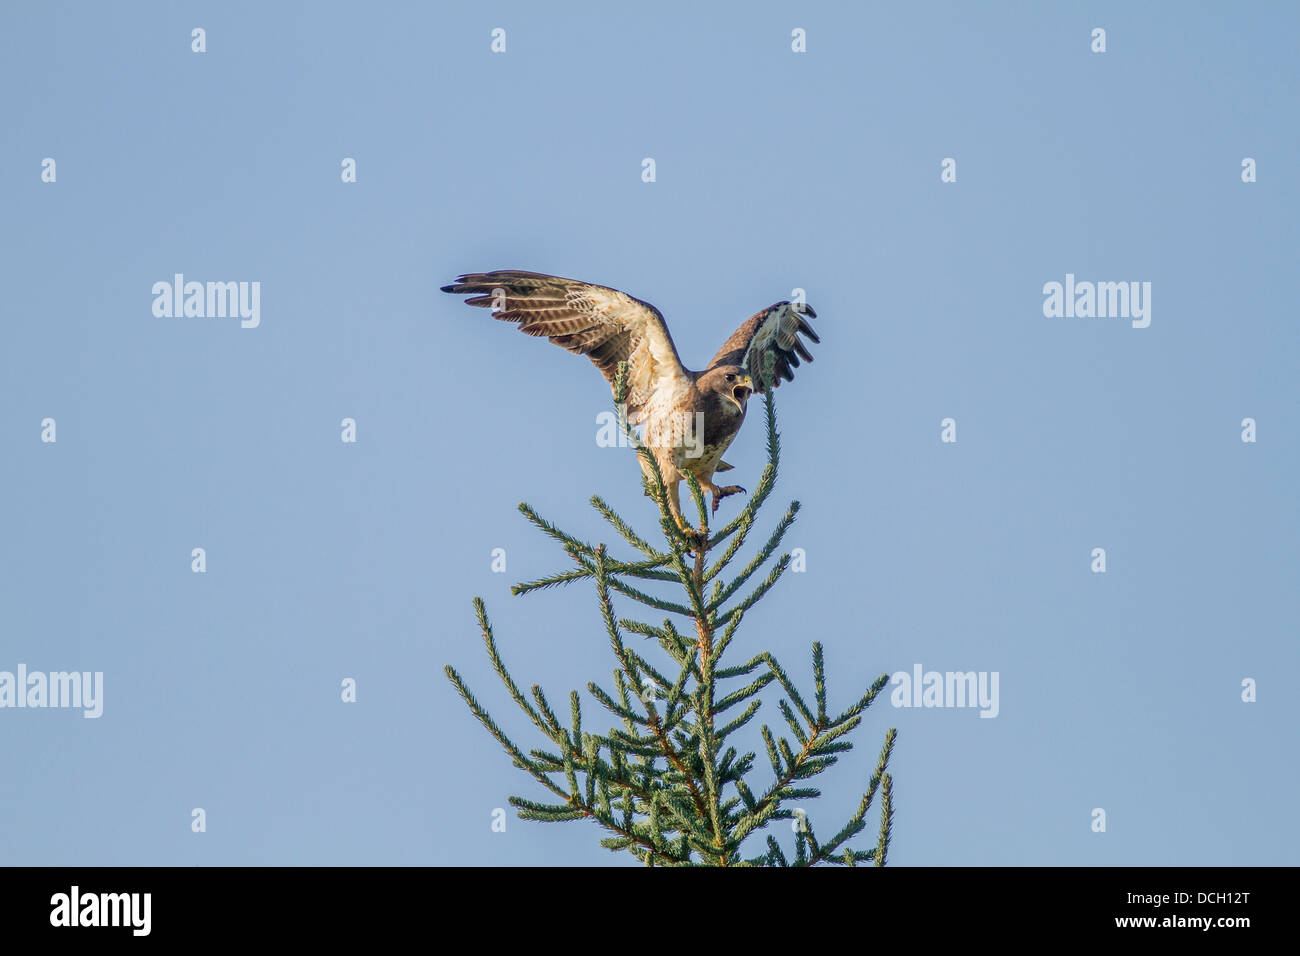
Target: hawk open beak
<point x="744" y="387"/>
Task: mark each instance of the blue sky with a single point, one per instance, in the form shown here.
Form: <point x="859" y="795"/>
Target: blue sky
<point x="774" y="171"/>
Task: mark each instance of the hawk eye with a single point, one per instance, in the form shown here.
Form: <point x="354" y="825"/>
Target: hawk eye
<point x="730" y="377"/>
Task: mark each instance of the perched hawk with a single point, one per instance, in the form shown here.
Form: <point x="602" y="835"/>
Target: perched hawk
<point x="690" y="417"/>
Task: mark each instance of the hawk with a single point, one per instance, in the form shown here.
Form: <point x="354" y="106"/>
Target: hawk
<point x="690" y="418"/>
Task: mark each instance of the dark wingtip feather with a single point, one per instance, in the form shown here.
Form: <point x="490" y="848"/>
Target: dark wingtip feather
<point x="463" y="285"/>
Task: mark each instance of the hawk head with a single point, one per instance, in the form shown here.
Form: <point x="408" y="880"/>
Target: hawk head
<point x="731" y="383"/>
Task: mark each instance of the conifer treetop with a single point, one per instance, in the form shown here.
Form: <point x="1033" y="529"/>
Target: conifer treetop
<point x="670" y="780"/>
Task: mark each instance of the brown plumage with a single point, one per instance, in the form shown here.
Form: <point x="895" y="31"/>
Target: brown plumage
<point x="690" y="417"/>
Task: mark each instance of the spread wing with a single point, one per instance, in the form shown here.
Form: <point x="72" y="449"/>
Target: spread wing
<point x="603" y="324"/>
<point x="773" y="332"/>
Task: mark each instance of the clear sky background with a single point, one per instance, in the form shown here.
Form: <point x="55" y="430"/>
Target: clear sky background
<point x="775" y="170"/>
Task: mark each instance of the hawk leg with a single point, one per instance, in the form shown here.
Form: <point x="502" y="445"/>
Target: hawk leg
<point x="692" y="536"/>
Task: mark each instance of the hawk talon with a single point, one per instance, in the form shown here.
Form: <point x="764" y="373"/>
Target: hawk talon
<point x="694" y="538"/>
<point x="721" y="493"/>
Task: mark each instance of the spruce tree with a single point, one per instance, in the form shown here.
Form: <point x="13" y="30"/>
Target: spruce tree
<point x="671" y="784"/>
